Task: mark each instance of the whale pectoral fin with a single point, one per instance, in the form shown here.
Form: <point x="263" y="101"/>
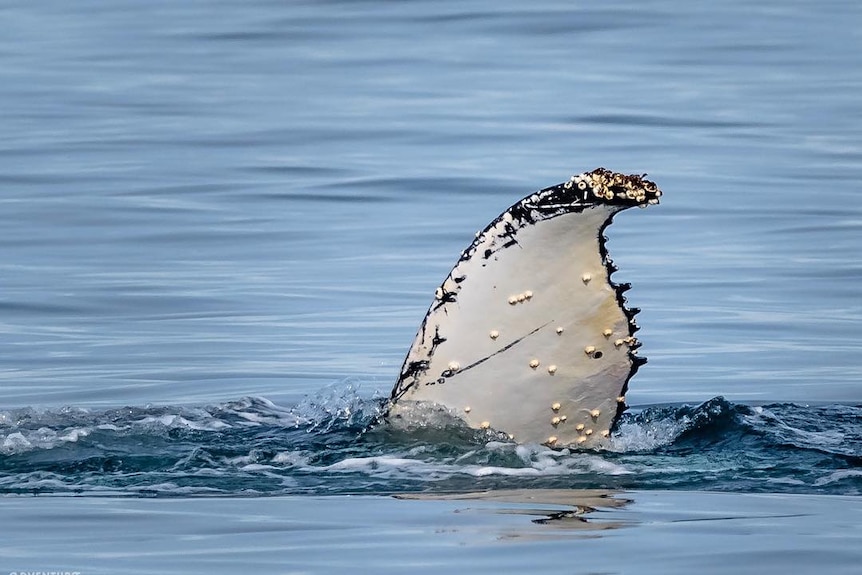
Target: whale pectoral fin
<point x="528" y="334"/>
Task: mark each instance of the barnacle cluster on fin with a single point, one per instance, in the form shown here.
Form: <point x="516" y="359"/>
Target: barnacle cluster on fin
<point x="529" y="335"/>
<point x="603" y="185"/>
<point x="610" y="185"/>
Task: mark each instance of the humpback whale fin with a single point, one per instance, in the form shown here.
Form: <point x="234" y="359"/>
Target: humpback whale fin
<point x="528" y="334"/>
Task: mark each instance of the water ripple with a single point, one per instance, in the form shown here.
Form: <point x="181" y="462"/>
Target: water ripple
<point x="331" y="443"/>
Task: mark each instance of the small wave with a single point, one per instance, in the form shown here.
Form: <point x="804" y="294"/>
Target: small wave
<point x="662" y="426"/>
<point x="329" y="443"/>
<point x="831" y="429"/>
<point x="335" y="407"/>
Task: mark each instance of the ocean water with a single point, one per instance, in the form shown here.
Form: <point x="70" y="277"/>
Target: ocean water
<point x="221" y="224"/>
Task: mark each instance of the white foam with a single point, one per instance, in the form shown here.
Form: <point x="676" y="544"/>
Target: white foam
<point x="178" y="421"/>
<point x="238" y="461"/>
<point x="42" y="438"/>
<point x="505" y="471"/>
<point x="605" y="467"/>
<point x="373" y="463"/>
<point x="73" y="434"/>
<point x="292" y="458"/>
<point x="538" y="461"/>
<point x="839" y="475"/>
<point x="645" y="436"/>
<point x="15" y="443"/>
<point x="257" y="467"/>
<point x="110" y="427"/>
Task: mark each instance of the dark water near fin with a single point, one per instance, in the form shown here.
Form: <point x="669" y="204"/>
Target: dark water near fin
<point x="327" y="445"/>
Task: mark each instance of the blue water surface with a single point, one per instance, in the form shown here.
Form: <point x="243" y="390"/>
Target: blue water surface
<point x="221" y="224"/>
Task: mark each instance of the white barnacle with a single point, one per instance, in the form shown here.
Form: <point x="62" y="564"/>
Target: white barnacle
<point x="522" y="297"/>
<point x="438" y="293"/>
<point x="494" y="334"/>
<point x="582" y="439"/>
<point x="467" y="409"/>
<point x="586" y="278"/>
<point x="485" y="425"/>
<point x="580" y="427"/>
<point x="621" y="399"/>
<point x="528" y="294"/>
<point x="552" y="369"/>
<point x="534" y="363"/>
<point x="560" y="330"/>
<point x="590" y="350"/>
<point x="595" y="413"/>
<point x="619" y="343"/>
<point x="552" y="440"/>
<point x="556" y="406"/>
<point x="454" y="366"/>
<point x="513" y="299"/>
<point x="606" y="433"/>
<point x="588" y="432"/>
<point x="563" y="417"/>
<point x="555" y="421"/>
<point x="608" y="332"/>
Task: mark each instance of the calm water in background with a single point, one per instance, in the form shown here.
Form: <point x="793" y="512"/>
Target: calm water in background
<point x="220" y="225"/>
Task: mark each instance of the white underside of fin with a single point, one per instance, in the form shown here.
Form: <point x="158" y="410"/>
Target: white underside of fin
<point x="527" y="335"/>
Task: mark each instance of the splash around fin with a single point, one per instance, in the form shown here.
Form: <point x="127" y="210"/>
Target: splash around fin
<point x="528" y="335"/>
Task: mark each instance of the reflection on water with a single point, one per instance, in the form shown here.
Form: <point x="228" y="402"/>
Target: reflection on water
<point x="561" y="509"/>
<point x="664" y="532"/>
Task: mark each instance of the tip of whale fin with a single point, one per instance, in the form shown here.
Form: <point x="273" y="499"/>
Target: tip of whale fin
<point x="529" y="335"/>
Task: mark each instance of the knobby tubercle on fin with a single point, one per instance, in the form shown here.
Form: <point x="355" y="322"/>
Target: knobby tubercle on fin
<point x="532" y="289"/>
